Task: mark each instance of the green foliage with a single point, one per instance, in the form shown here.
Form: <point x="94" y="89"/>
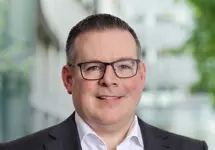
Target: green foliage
<point x="202" y="44"/>
<point x="14" y="55"/>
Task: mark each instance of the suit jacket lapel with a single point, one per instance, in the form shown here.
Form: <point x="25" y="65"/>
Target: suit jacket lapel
<point x="154" y="138"/>
<point x="65" y="136"/>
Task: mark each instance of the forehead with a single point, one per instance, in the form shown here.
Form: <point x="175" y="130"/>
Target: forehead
<point x="106" y="45"/>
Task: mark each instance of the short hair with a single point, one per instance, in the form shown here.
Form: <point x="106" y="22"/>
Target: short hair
<point x="97" y="22"/>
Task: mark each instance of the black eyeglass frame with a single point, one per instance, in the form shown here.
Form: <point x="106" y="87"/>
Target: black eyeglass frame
<point x="105" y="65"/>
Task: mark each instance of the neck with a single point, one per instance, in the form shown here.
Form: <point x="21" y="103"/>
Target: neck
<point x="113" y="134"/>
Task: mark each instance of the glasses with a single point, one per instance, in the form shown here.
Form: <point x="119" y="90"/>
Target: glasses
<point x="95" y="70"/>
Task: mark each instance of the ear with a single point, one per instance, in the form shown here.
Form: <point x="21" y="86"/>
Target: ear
<point x="142" y="73"/>
<point x="66" y="74"/>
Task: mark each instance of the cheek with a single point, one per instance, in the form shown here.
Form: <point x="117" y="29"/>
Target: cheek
<point x="83" y="87"/>
<point x="133" y="92"/>
<point x="133" y="86"/>
<point x="89" y="86"/>
<point x="82" y="95"/>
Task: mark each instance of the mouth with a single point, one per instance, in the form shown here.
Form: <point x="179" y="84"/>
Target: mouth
<point x="105" y="97"/>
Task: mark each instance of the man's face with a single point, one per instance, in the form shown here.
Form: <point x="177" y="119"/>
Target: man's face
<point x="120" y="96"/>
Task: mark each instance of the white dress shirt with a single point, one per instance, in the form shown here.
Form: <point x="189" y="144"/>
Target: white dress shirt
<point x="91" y="141"/>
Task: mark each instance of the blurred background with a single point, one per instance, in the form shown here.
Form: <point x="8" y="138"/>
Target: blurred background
<point x="178" y="48"/>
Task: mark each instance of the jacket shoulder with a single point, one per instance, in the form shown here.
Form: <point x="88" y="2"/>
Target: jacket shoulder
<point x="179" y="142"/>
<point x="31" y="141"/>
<point x="187" y="143"/>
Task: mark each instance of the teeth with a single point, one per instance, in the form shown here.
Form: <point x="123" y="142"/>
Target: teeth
<point x="108" y="98"/>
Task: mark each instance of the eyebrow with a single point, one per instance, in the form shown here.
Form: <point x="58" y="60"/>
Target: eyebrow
<point x="121" y="58"/>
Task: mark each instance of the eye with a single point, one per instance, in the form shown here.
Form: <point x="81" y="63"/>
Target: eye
<point x="124" y="67"/>
<point x="93" y="68"/>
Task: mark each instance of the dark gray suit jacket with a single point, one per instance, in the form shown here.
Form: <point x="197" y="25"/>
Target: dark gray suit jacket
<point x="64" y="136"/>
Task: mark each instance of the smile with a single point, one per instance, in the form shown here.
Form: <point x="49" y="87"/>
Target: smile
<point x="109" y="97"/>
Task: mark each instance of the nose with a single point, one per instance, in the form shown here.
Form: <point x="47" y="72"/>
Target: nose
<point x="109" y="77"/>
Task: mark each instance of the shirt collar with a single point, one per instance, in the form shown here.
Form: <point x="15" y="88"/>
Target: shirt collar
<point x="84" y="129"/>
<point x="135" y="132"/>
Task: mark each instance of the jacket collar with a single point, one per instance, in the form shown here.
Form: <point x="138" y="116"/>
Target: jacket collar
<point x="65" y="136"/>
<point x="154" y="138"/>
<point x="84" y="130"/>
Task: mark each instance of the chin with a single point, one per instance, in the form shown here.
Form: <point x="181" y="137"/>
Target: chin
<point x="111" y="118"/>
<point x="110" y="121"/>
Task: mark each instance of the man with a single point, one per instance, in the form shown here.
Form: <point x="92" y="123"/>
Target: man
<point x="105" y="76"/>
